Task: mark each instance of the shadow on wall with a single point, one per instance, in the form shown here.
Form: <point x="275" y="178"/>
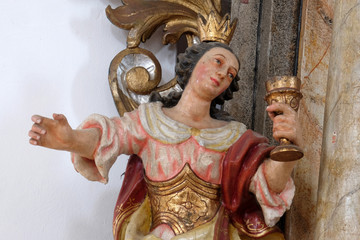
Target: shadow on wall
<point x="84" y="228"/>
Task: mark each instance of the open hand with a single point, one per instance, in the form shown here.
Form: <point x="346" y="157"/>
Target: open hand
<point x="53" y="133"/>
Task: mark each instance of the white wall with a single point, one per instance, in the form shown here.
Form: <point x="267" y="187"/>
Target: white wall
<point x="54" y="57"/>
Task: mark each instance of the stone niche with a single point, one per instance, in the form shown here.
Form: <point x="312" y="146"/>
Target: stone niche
<point x="287" y="38"/>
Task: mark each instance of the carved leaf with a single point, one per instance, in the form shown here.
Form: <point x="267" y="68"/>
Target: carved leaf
<point x="173" y="30"/>
<point x="143" y="17"/>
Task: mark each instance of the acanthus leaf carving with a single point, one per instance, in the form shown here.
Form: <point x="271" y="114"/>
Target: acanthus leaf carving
<point x="143" y="17"/>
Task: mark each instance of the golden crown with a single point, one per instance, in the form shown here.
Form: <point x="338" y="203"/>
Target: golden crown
<point x="211" y="29"/>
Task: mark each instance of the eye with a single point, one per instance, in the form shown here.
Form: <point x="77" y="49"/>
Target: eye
<point x="231" y="76"/>
<point x="218" y="62"/>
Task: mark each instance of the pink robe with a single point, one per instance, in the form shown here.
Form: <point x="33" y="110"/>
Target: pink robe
<point x="165" y="146"/>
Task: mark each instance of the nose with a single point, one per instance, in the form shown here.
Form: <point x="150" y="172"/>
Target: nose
<point x="221" y="72"/>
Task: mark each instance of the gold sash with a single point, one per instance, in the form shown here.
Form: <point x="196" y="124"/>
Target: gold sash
<point x="183" y="202"/>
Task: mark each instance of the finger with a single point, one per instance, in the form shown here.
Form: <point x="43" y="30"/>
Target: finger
<point x="283" y="127"/>
<point x="34" y="135"/>
<point x="59" y="117"/>
<point x="279" y="119"/>
<point x="33" y="142"/>
<point x="273" y="107"/>
<point x="271" y="115"/>
<point x="280" y="107"/>
<point x="284" y="130"/>
<point x="273" y="111"/>
<point x="43" y="121"/>
<point x="36" y="118"/>
<point x="36" y="128"/>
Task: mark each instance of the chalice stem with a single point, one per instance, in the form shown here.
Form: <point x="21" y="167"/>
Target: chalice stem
<point x="284" y="141"/>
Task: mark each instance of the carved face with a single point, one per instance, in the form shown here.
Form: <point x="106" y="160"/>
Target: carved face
<point x="213" y="73"/>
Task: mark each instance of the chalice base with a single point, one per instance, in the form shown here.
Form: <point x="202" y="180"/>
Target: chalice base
<point x="286" y="153"/>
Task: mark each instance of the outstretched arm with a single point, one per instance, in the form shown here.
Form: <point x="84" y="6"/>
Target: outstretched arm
<point x="285" y="125"/>
<point x="57" y="134"/>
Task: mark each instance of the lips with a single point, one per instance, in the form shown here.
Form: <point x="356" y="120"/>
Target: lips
<point x="215" y="81"/>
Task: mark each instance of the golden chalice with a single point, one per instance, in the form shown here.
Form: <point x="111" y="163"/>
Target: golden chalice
<point x="284" y="89"/>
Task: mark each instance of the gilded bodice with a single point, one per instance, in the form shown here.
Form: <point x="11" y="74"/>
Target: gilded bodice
<point x="183" y="202"/>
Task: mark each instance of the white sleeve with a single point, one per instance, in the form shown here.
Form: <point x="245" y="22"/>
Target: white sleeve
<point x="118" y="136"/>
<point x="273" y="204"/>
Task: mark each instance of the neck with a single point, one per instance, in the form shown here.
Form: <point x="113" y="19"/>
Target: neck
<point x="193" y="107"/>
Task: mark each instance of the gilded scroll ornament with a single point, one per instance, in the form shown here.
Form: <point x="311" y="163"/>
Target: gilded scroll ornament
<point x="134" y="72"/>
<point x="142" y="18"/>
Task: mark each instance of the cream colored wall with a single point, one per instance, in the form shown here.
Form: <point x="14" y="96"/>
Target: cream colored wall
<point x="338" y="203"/>
<point x="327" y="180"/>
<point x="314" y="56"/>
<point x="54" y="57"/>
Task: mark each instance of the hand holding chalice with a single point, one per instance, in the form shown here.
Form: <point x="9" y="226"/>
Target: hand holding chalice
<point x="284" y="89"/>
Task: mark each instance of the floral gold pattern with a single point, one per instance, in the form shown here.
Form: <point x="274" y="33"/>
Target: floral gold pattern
<point x="183" y="202"/>
<point x="188" y="206"/>
<point x="254" y="230"/>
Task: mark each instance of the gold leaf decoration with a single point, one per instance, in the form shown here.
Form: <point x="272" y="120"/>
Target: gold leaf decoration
<point x="143" y="17"/>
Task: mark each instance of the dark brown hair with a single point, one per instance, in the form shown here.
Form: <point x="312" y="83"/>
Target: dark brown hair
<point x="185" y="65"/>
